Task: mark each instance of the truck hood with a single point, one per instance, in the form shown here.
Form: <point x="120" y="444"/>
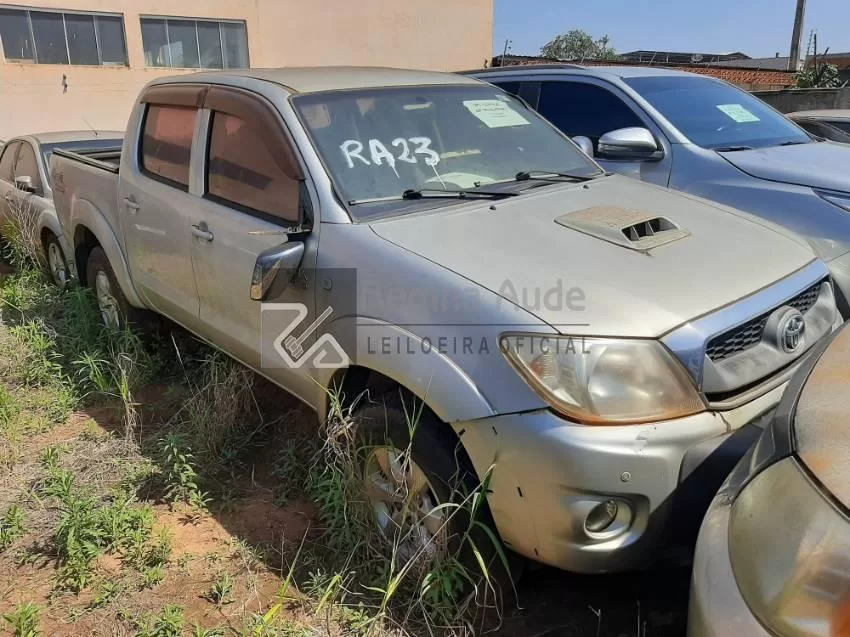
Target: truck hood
<point x="529" y="244"/>
<point x="816" y="165"/>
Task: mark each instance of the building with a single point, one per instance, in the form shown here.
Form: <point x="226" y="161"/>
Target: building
<point x="678" y="57"/>
<point x="71" y="64"/>
<point x="749" y="79"/>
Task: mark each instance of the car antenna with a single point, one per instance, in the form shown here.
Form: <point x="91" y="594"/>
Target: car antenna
<point x="91" y="128"/>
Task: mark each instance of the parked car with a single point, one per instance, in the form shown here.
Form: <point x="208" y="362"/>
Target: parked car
<point x="453" y="246"/>
<point x="702" y="136"/>
<point x="773" y="556"/>
<point x="26" y="186"/>
<point x="831" y="124"/>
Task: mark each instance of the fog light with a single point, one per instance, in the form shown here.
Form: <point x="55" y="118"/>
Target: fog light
<point x="601" y="516"/>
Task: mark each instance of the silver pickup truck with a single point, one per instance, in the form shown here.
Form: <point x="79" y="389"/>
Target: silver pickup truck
<point x="605" y="346"/>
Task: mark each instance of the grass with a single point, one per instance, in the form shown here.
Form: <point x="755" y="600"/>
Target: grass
<point x="111" y="442"/>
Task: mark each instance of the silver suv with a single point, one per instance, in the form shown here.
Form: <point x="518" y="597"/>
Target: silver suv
<point x="604" y="344"/>
<point x="703" y="136"/>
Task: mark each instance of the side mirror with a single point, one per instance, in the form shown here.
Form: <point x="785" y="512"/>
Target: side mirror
<point x="285" y="257"/>
<point x="585" y="144"/>
<point x="24" y="183"/>
<point x="630" y="143"/>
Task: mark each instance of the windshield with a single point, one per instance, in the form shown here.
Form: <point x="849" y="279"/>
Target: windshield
<point x="713" y="114"/>
<point x="379" y="143"/>
<point x="76" y="147"/>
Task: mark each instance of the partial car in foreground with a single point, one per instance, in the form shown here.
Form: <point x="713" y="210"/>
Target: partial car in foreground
<point x="831" y="124"/>
<point x="773" y="556"/>
<point x="703" y="136"/>
<point x="26" y="188"/>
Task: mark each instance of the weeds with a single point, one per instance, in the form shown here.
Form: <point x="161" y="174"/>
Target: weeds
<point x="179" y="473"/>
<point x="168" y="623"/>
<point x="23" y="247"/>
<point x="221" y="590"/>
<point x="24" y="621"/>
<point x="11" y="526"/>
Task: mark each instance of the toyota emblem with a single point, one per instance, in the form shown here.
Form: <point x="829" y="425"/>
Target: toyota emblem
<point x="791" y="332"/>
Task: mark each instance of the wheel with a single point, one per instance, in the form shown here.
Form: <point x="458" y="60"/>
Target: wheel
<point x="421" y="491"/>
<point x="115" y="311"/>
<point x="57" y="266"/>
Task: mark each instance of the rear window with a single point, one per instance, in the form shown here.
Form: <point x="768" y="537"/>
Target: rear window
<point x="166" y="148"/>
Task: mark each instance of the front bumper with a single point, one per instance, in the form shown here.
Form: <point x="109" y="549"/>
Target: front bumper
<point x="549" y="473"/>
<point x="717" y="608"/>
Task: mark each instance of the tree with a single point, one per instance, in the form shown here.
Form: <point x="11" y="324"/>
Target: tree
<point x="578" y="45"/>
<point x="819" y="76"/>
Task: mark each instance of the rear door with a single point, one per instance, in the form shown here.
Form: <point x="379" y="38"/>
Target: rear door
<point x="250" y="199"/>
<point x="155" y="202"/>
<point x="7" y="179"/>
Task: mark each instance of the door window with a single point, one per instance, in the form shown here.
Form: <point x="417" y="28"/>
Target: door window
<point x="166" y="148"/>
<point x="585" y="109"/>
<point x="7" y="161"/>
<point x="243" y="171"/>
<point x="27" y="166"/>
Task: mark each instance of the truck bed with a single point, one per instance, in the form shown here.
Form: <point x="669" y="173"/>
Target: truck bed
<point x="82" y="182"/>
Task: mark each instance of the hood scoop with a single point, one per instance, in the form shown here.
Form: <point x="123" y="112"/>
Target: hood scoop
<point x="631" y="229"/>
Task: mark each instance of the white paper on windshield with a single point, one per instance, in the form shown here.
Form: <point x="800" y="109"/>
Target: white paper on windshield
<point x="495" y="113"/>
<point x="738" y="113"/>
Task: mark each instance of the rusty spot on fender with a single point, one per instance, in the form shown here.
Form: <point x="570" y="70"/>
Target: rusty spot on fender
<point x="822" y="421"/>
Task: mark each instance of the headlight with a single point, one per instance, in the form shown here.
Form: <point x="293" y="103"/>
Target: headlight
<point x="604" y="381"/>
<point x="790" y="552"/>
<point x="842" y="201"/>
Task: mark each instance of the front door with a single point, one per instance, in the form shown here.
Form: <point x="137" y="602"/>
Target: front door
<point x="24" y="208"/>
<point x="249" y="201"/>
<point x="154" y="206"/>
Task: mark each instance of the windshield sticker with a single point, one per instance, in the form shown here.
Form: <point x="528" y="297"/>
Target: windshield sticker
<point x="738" y="113"/>
<point x="406" y="149"/>
<point x="495" y="113"/>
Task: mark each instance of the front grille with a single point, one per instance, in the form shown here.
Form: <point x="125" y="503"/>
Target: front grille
<point x="749" y="334"/>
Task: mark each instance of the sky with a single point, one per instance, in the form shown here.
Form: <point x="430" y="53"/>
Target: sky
<point x="759" y="28"/>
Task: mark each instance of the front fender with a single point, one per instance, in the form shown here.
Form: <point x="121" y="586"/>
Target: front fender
<point x="87" y="216"/>
<point x="433" y="377"/>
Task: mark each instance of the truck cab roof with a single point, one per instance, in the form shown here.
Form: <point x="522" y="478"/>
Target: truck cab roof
<point x="330" y="78"/>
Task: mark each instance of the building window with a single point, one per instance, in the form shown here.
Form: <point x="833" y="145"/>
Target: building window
<point x="194" y="44"/>
<point x="62" y="37"/>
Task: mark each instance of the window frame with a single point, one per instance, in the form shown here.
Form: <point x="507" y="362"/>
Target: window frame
<point x="11" y="144"/>
<point x="218" y="21"/>
<point x="255" y="111"/>
<point x="63" y="12"/>
<point x="38" y="182"/>
<point x="639" y="117"/>
<point x="141" y="146"/>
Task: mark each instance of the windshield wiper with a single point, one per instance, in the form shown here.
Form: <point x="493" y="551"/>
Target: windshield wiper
<point x="437" y="193"/>
<point x="792" y="143"/>
<point x="731" y="149"/>
<point x="547" y="175"/>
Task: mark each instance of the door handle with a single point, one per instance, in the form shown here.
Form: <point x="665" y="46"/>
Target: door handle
<point x="202" y="233"/>
<point x="132" y="205"/>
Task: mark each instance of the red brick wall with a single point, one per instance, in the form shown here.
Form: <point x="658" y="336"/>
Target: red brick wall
<point x="745" y="78"/>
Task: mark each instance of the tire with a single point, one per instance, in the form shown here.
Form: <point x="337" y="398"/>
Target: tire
<point x="115" y="311"/>
<point x="56" y="265"/>
<point x="450" y="476"/>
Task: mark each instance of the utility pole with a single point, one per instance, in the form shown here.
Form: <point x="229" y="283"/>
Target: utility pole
<point x="799" y="18"/>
